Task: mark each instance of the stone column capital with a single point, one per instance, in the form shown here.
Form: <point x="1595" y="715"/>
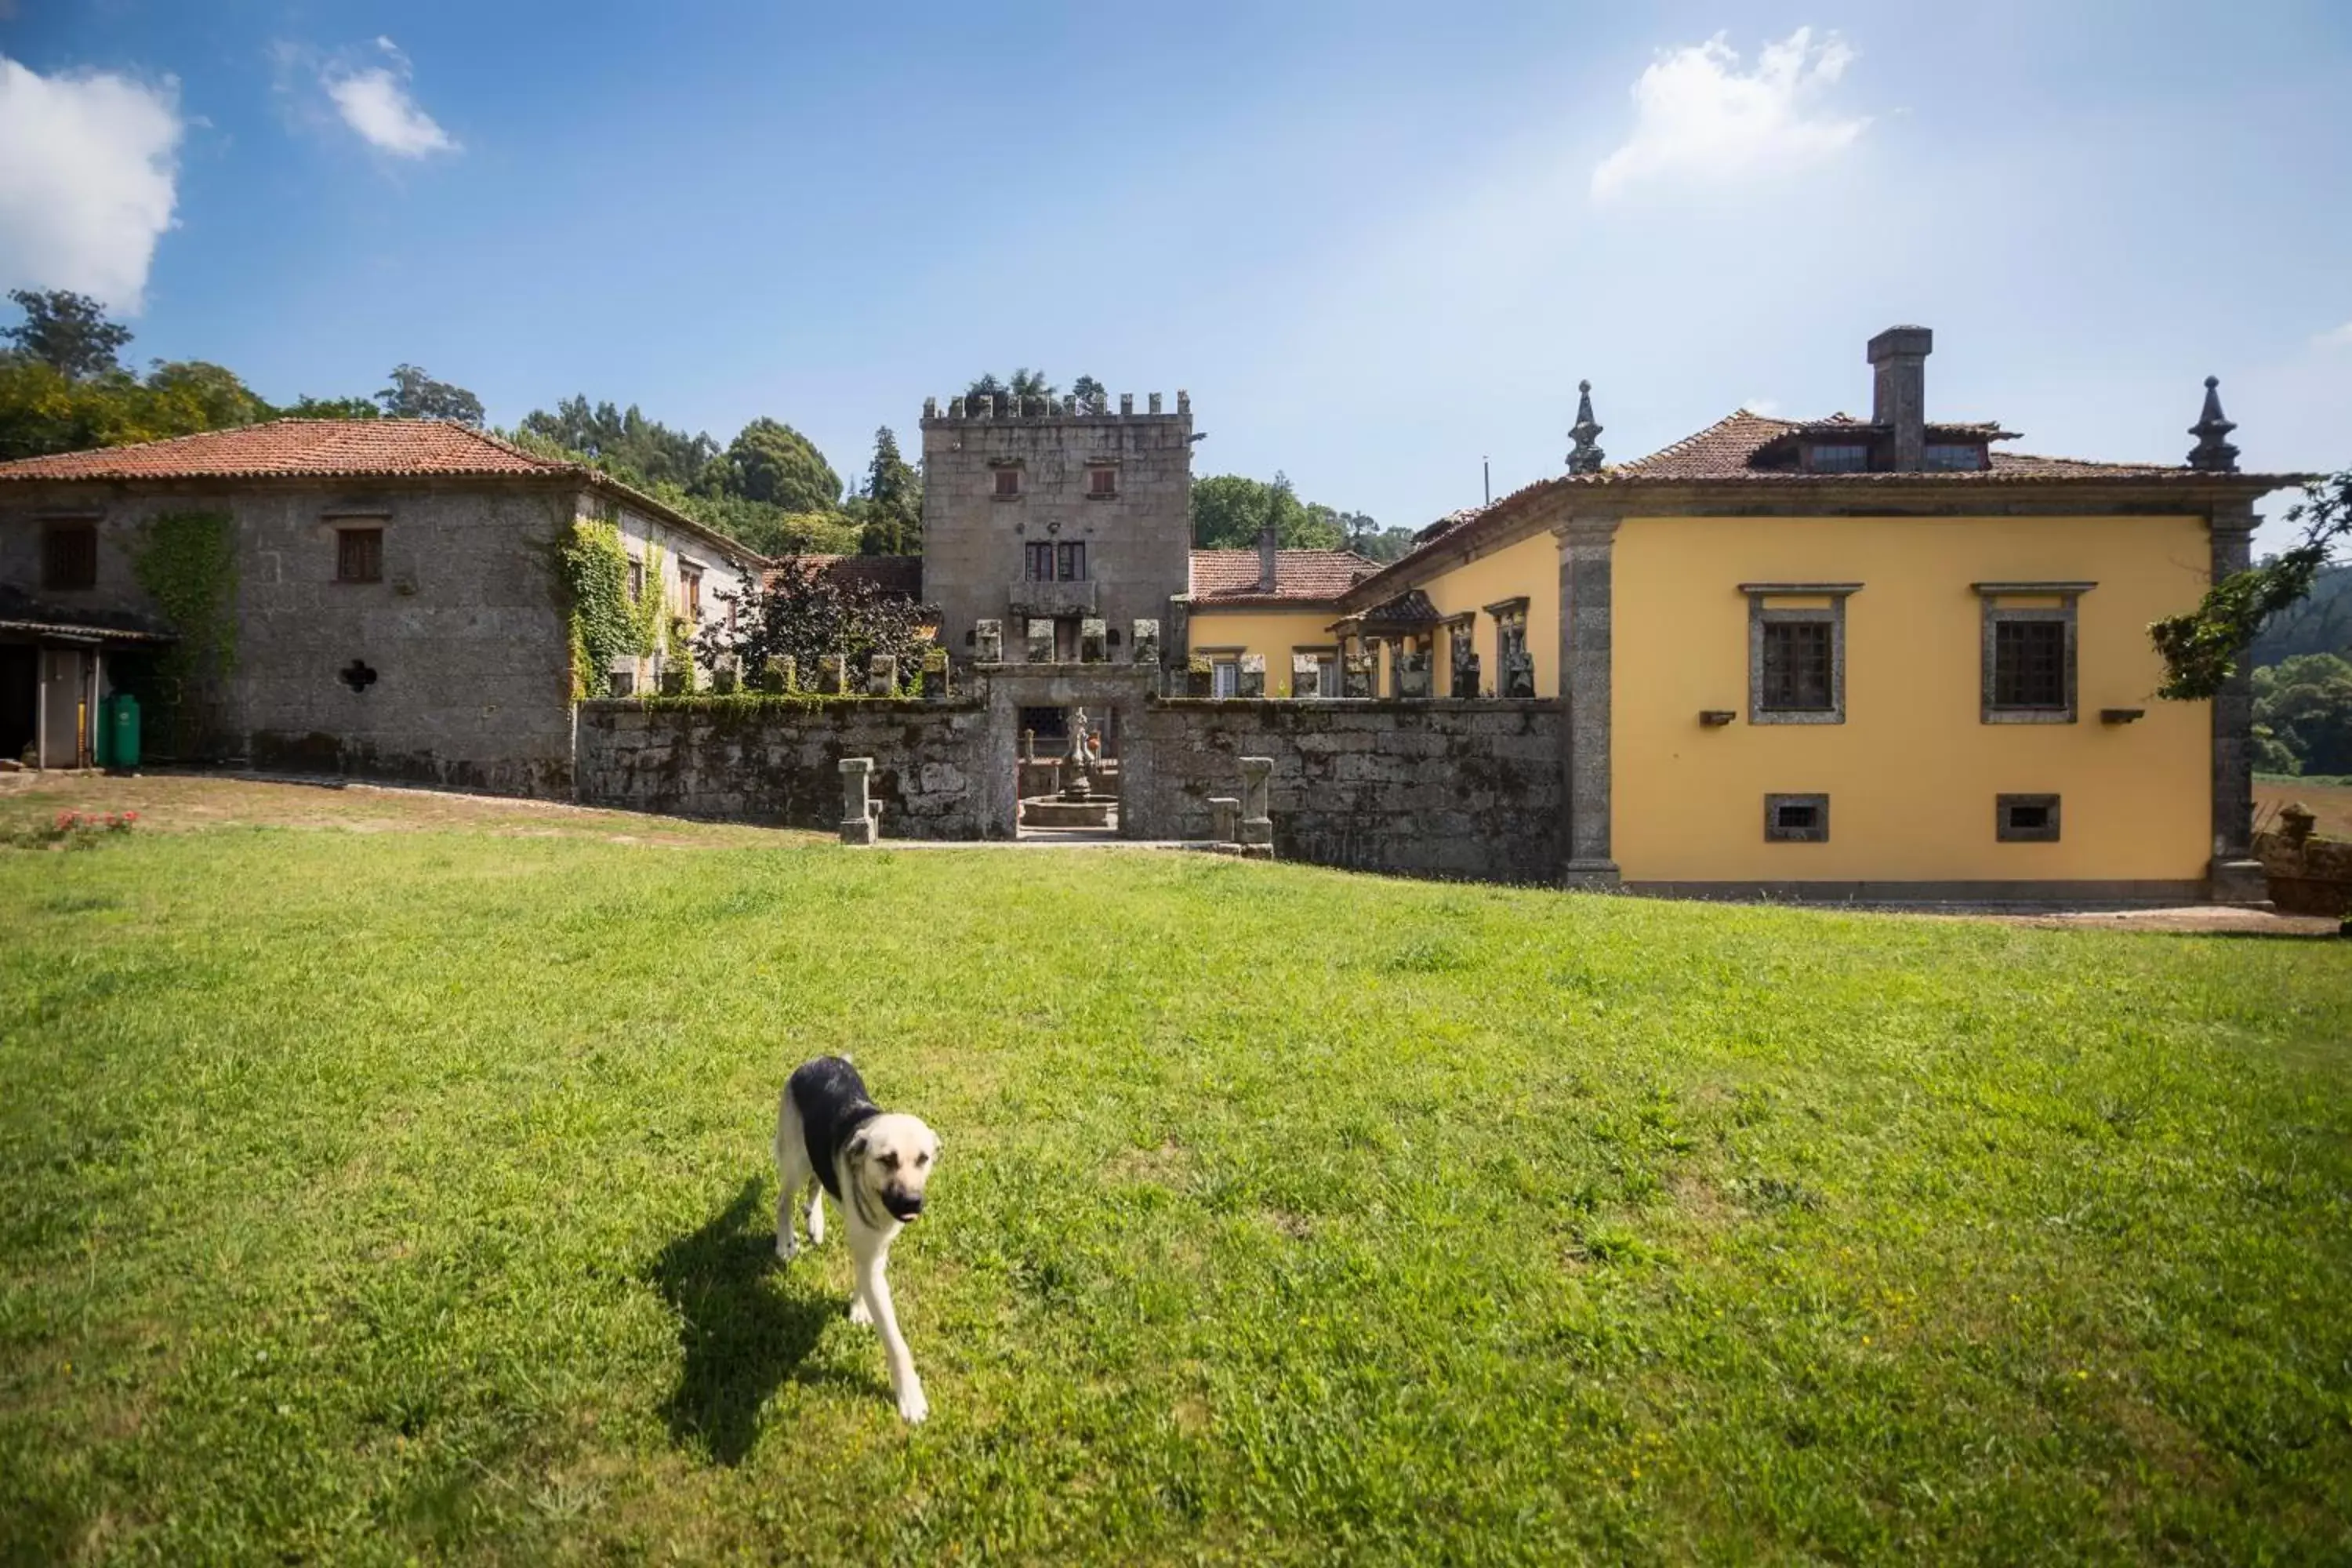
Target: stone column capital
<point x="1586" y="530"/>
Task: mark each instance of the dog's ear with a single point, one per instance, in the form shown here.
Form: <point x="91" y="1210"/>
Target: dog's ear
<point x="860" y="1144"/>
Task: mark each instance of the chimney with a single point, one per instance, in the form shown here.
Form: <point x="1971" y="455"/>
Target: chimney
<point x="1265" y="559"/>
<point x="1899" y="394"/>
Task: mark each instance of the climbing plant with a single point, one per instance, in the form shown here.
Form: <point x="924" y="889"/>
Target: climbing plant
<point x="187" y="563"/>
<point x="605" y="624"/>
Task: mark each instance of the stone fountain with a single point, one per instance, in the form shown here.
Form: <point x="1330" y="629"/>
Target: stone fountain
<point x="1077" y="803"/>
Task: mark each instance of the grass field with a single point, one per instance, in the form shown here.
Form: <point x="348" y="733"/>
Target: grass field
<point x="379" y="1196"/>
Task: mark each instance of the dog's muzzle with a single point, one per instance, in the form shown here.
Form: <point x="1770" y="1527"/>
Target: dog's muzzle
<point x="903" y="1206"/>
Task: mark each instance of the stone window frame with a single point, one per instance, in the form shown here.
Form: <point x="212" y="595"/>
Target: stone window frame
<point x="2006" y="830"/>
<point x="1760" y="615"/>
<point x="82" y="527"/>
<point x="1775" y="832"/>
<point x="1098" y="471"/>
<point x="1327" y="668"/>
<point x="1001" y="468"/>
<point x="2068" y="594"/>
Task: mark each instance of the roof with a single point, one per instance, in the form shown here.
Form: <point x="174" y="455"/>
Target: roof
<point x="1408" y="611"/>
<point x="1225" y="579"/>
<point x="22" y="614"/>
<point x="340" y="449"/>
<point x="895" y="576"/>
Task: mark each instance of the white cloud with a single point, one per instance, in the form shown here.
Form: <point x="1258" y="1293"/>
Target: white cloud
<point x="374" y="101"/>
<point x="1698" y="116"/>
<point x="2341" y="338"/>
<point x="88" y="180"/>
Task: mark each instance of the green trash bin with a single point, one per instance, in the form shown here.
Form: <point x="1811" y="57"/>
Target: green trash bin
<point x="122" y="731"/>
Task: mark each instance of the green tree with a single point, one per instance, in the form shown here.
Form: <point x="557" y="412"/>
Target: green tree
<point x="332" y="408"/>
<point x="1023" y="384"/>
<point x="806" y="614"/>
<point x="626" y="444"/>
<point x="43" y="410"/>
<point x="893" y="516"/>
<point x="2201" y="648"/>
<point x="1091" y="393"/>
<point x="770" y="461"/>
<point x="2304" y="705"/>
<point x="67" y="331"/>
<point x="414" y="395"/>
<point x="209" y="392"/>
<point x="1229" y="511"/>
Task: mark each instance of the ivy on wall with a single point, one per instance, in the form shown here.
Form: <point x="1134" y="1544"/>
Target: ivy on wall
<point x="605" y="624"/>
<point x="187" y="563"/>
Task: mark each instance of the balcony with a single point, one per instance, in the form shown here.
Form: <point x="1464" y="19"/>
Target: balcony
<point x="1048" y="600"/>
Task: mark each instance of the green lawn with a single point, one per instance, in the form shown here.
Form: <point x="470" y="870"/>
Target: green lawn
<point x="378" y="1196"/>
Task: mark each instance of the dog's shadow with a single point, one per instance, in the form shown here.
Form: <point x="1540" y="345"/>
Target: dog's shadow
<point x="743" y="1332"/>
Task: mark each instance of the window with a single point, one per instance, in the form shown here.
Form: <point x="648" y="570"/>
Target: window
<point x="1102" y="483"/>
<point x="1837" y="458"/>
<point x="1227" y="678"/>
<point x="69" y="555"/>
<point x="1008" y="483"/>
<point x="624" y="682"/>
<point x="1796" y="819"/>
<point x="689" y="583"/>
<point x="1796" y="653"/>
<point x="2029" y="663"/>
<point x="636" y="579"/>
<point x="359" y="555"/>
<point x="1037" y="563"/>
<point x="2025" y="818"/>
<point x="1070" y="561"/>
<point x="1953" y="457"/>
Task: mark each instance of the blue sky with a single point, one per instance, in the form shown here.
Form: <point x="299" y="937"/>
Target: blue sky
<point x="1376" y="242"/>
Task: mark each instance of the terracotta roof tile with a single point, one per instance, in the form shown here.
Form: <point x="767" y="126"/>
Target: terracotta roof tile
<point x="1226" y="578"/>
<point x="898" y="576"/>
<point x="295" y="449"/>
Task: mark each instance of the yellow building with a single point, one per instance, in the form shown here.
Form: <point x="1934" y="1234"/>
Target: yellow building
<point x="1278" y="607"/>
<point x="1849" y="658"/>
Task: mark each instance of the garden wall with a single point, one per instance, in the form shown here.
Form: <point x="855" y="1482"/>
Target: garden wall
<point x="776" y="760"/>
<point x="1437" y="788"/>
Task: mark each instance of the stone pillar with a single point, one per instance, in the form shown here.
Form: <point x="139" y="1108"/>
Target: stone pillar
<point x="1252" y="678"/>
<point x="1224" y="818"/>
<point x="776" y="675"/>
<point x="1587" y="549"/>
<point x="1146" y="646"/>
<point x="861" y="815"/>
<point x="988" y="638"/>
<point x="1305" y="675"/>
<point x="833" y="674"/>
<point x="882" y="675"/>
<point x="1028" y="745"/>
<point x="1093" y="636"/>
<point x="938" y="684"/>
<point x="1257" y="827"/>
<point x="2236" y="875"/>
<point x="1041" y="642"/>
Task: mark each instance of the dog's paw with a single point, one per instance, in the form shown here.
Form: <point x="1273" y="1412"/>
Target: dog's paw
<point x="912" y="1406"/>
<point x="784" y="1250"/>
<point x="858" y="1312"/>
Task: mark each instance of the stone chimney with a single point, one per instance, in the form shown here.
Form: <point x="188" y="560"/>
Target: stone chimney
<point x="1266" y="559"/>
<point x="1899" y="394"/>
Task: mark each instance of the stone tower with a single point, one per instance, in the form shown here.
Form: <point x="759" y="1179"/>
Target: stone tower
<point x="1056" y="510"/>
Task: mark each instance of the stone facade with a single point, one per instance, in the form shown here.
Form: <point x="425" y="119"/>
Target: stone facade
<point x="1056" y="514"/>
<point x="1433" y="788"/>
<point x="780" y="763"/>
<point x="451" y="668"/>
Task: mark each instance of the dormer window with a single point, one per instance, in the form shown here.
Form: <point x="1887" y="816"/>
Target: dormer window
<point x="1837" y="458"/>
<point x="1955" y="457"/>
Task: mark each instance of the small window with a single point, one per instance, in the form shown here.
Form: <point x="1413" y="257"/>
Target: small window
<point x="1008" y="483"/>
<point x="1837" y="458"/>
<point x="1070" y="562"/>
<point x="69" y="555"/>
<point x="1102" y="483"/>
<point x="689" y="581"/>
<point x="1226" y="677"/>
<point x="1796" y="818"/>
<point x="624" y="683"/>
<point x="1039" y="562"/>
<point x="637" y="580"/>
<point x="359" y="555"/>
<point x="1953" y="457"/>
<point x="2025" y="818"/>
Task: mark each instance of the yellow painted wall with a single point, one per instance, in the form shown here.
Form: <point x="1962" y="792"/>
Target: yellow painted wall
<point x="1912" y="772"/>
<point x="1273" y="633"/>
<point x="1529" y="568"/>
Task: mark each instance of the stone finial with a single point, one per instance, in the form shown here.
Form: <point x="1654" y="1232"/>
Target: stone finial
<point x="1125" y="405"/>
<point x="1041" y="641"/>
<point x="1155" y="403"/>
<point x="988" y="642"/>
<point x="930" y="408"/>
<point x="1183" y="400"/>
<point x="1585" y="456"/>
<point x="2213" y="454"/>
<point x="1094" y="635"/>
<point x="1257" y="825"/>
<point x="1224" y="818"/>
<point x="861" y="814"/>
<point x="1145" y="645"/>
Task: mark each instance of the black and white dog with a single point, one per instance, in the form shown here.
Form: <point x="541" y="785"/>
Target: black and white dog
<point x="830" y="1135"/>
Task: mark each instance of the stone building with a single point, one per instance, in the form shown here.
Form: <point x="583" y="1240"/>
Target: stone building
<point x="388" y="599"/>
<point x="1055" y="511"/>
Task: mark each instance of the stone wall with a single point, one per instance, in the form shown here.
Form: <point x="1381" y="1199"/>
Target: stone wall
<point x="747" y="760"/>
<point x="1440" y="788"/>
<point x="2308" y="875"/>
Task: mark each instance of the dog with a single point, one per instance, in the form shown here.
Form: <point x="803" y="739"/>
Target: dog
<point x="832" y="1138"/>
